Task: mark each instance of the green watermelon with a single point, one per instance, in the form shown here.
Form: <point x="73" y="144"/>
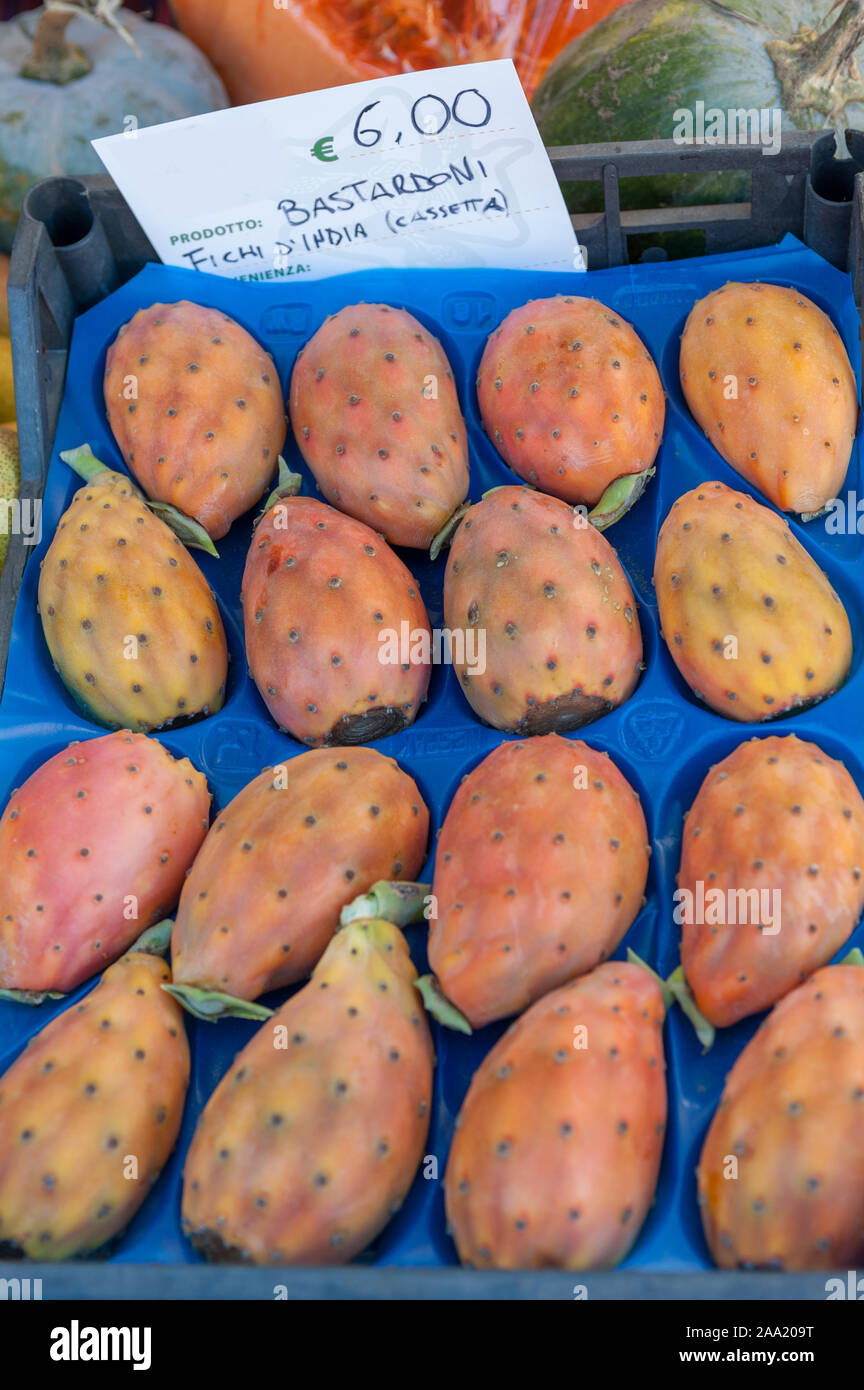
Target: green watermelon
<point x="626" y="78"/>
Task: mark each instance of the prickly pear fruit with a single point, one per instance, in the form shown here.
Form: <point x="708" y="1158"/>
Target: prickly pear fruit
<point x="766" y="375"/>
<point x="791" y="1119"/>
<point x="557" y="1148"/>
<point x="376" y="417"/>
<point x="130" y="621"/>
<point x="312" y="1139"/>
<point x="196" y="409"/>
<point x="547" y="595"/>
<point x="539" y="871"/>
<point x="750" y="620"/>
<point x="295" y="846"/>
<point x="775" y="837"/>
<point x="571" y="397"/>
<point x="325" y="601"/>
<point x="94" y="845"/>
<point x="99" y="1089"/>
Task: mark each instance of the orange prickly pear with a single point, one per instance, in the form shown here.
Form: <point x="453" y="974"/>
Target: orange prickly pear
<point x="197" y="411"/>
<point x="781" y="1173"/>
<point x="751" y="621"/>
<point x="312" y="1139"/>
<point x="540" y="869"/>
<point x="767" y="377"/>
<point x="95" y="844"/>
<point x="772" y="874"/>
<point x="573" y="401"/>
<point x="557" y="1148"/>
<point x="295" y="846"/>
<point x="325" y="605"/>
<point x="376" y="417"/>
<point x="90" y="1111"/>
<point x="548" y="597"/>
<point x="130" y="621"/>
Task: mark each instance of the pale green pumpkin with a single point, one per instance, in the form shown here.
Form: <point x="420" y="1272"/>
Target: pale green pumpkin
<point x="91" y="83"/>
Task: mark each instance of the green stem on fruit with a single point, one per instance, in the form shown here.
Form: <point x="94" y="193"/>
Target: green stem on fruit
<point x="155" y="940"/>
<point x="28" y="996"/>
<point x="212" y="1004"/>
<point x="680" y="989"/>
<point x="397" y="902"/>
<point x="448" y="530"/>
<point x="438" y="1005"/>
<point x="619" y="498"/>
<point x="84" y="462"/>
<point x="855" y="957"/>
<point x="529" y="487"/>
<point x="186" y="528"/>
<point x="289" y="485"/>
<point x="668" y="996"/>
<point x="189" y="531"/>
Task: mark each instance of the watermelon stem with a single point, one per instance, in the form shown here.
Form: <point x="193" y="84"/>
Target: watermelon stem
<point x="819" y="71"/>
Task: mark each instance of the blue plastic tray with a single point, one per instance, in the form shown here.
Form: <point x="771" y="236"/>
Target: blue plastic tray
<point x="662" y="739"/>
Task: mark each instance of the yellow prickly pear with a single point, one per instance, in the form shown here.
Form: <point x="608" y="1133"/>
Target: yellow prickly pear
<point x="90" y="1111"/>
<point x="312" y="1139"/>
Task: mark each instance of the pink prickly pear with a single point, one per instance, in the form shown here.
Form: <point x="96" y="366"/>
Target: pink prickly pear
<point x="573" y="401"/>
<point x="781" y="1173"/>
<point x="558" y="617"/>
<point x="539" y="871"/>
<point x="325" y="601"/>
<point x="557" y="1147"/>
<point x="295" y="846"/>
<point x="377" y="419"/>
<point x="775" y="838"/>
<point x="93" y="845"/>
<point x="196" y="408"/>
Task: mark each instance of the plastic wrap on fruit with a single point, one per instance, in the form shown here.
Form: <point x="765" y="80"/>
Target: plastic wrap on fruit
<point x="262" y="50"/>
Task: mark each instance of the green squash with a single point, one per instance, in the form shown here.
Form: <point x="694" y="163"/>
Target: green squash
<point x="626" y="78"/>
<point x="83" y="81"/>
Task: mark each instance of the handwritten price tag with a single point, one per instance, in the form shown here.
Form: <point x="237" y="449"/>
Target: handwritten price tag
<point x="443" y="168"/>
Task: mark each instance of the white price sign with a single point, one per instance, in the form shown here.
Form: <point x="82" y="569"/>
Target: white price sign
<point x="443" y="168"/>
